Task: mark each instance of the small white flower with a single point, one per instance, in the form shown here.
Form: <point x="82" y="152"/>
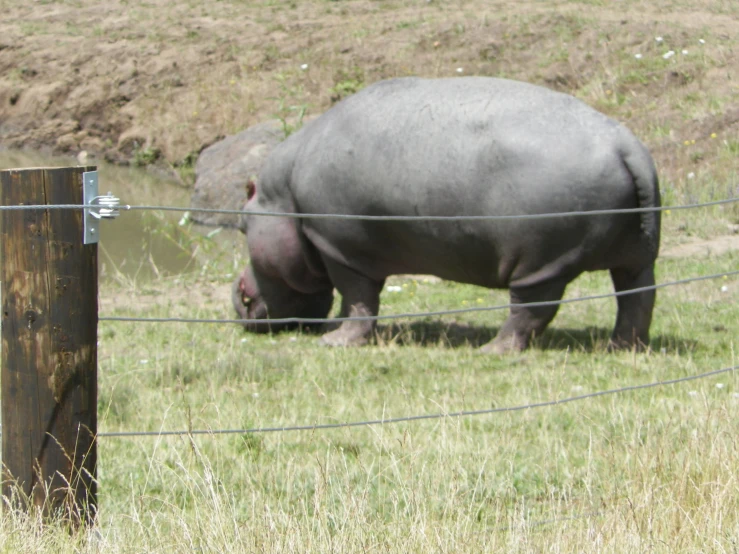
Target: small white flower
<point x="637" y="56"/>
<point x="693" y="393"/>
<point x="735" y="395"/>
<point x="668" y="55"/>
<point x="394" y="288"/>
<point x="460" y="70"/>
<point x="577" y="388"/>
<point x="184" y="219"/>
<point x="658" y="39"/>
<point x="293" y="339"/>
<point x="701" y="41"/>
<point x="691" y="175"/>
<point x="255" y="395"/>
<point x="724" y="288"/>
<point x="685" y="52"/>
<point x="719" y="385"/>
<point x="143" y="362"/>
<point x="304" y="66"/>
<point x="244" y="340"/>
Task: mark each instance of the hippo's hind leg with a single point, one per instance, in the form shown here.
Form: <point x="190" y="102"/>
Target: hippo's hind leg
<point x="634" y="310"/>
<point x="525" y="322"/>
<point x="360" y="297"/>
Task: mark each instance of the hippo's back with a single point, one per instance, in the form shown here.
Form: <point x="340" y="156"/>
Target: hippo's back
<point x="459" y="147"/>
<point x="434" y="146"/>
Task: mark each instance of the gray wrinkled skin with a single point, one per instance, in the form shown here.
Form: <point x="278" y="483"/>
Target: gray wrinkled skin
<point x="464" y="146"/>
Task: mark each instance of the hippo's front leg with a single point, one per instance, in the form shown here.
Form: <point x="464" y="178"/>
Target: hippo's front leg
<point x="360" y="297"/>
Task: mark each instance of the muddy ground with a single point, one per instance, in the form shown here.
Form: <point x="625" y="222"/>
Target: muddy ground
<point x="155" y="82"/>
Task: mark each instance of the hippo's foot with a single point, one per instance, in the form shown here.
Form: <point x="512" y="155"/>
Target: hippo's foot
<point x="344" y="337"/>
<point x="504" y="345"/>
<point x="351" y="333"/>
<point x="360" y="298"/>
<point x="525" y="322"/>
<point x="634" y="310"/>
<point x="619" y="344"/>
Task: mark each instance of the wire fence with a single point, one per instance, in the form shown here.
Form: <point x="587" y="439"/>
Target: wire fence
<point x="409" y="315"/>
<point x="434" y="416"/>
<point x="548" y="215"/>
<point x="441" y="415"/>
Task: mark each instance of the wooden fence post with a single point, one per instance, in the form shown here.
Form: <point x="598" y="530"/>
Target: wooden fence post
<point x="49" y="346"/>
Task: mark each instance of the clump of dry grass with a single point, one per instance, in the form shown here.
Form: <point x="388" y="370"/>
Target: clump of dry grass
<point x="650" y="469"/>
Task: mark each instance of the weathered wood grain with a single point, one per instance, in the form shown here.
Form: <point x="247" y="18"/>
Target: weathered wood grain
<point x="49" y="345"/>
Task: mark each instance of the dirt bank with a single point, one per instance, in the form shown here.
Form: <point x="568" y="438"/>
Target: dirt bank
<point x="157" y="81"/>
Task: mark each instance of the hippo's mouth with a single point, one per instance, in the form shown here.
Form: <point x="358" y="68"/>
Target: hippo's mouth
<point x="243" y="303"/>
<point x="246" y="301"/>
<point x="252" y="308"/>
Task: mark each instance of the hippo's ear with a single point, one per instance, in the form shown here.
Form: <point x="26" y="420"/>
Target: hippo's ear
<point x="251" y="188"/>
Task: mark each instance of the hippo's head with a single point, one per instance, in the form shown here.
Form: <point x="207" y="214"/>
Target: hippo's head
<point x="256" y="296"/>
<point x="286" y="278"/>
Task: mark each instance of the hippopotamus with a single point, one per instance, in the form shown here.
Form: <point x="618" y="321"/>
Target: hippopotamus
<point x="466" y="146"/>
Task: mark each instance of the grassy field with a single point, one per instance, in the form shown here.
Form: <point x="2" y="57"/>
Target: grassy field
<point x="651" y="470"/>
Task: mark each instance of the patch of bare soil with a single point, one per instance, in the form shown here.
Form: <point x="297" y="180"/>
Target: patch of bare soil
<point x="703" y="247"/>
<point x="158" y="81"/>
<point x="181" y="301"/>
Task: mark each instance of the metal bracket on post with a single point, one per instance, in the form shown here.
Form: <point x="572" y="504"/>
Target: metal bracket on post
<point x="108" y="206"/>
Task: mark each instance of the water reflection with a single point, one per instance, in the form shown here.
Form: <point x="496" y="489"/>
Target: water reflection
<point x="138" y="245"/>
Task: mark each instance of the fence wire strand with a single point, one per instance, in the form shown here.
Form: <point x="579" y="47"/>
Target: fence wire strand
<point x="464" y="413"/>
<point x="306" y="321"/>
<point x="377" y="217"/>
<point x="443" y="415"/>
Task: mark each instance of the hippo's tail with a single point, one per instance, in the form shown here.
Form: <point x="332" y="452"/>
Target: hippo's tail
<point x="639" y="164"/>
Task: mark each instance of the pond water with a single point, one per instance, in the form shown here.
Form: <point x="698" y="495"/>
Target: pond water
<point x="139" y="245"/>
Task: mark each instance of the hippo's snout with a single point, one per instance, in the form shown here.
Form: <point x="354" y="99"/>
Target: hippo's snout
<point x="240" y="300"/>
<point x="272" y="298"/>
<point x="248" y="307"/>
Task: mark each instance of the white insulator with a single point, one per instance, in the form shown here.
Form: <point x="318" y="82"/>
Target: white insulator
<point x="109" y="205"/>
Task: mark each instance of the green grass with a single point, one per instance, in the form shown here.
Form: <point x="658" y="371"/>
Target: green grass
<point x="651" y="467"/>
